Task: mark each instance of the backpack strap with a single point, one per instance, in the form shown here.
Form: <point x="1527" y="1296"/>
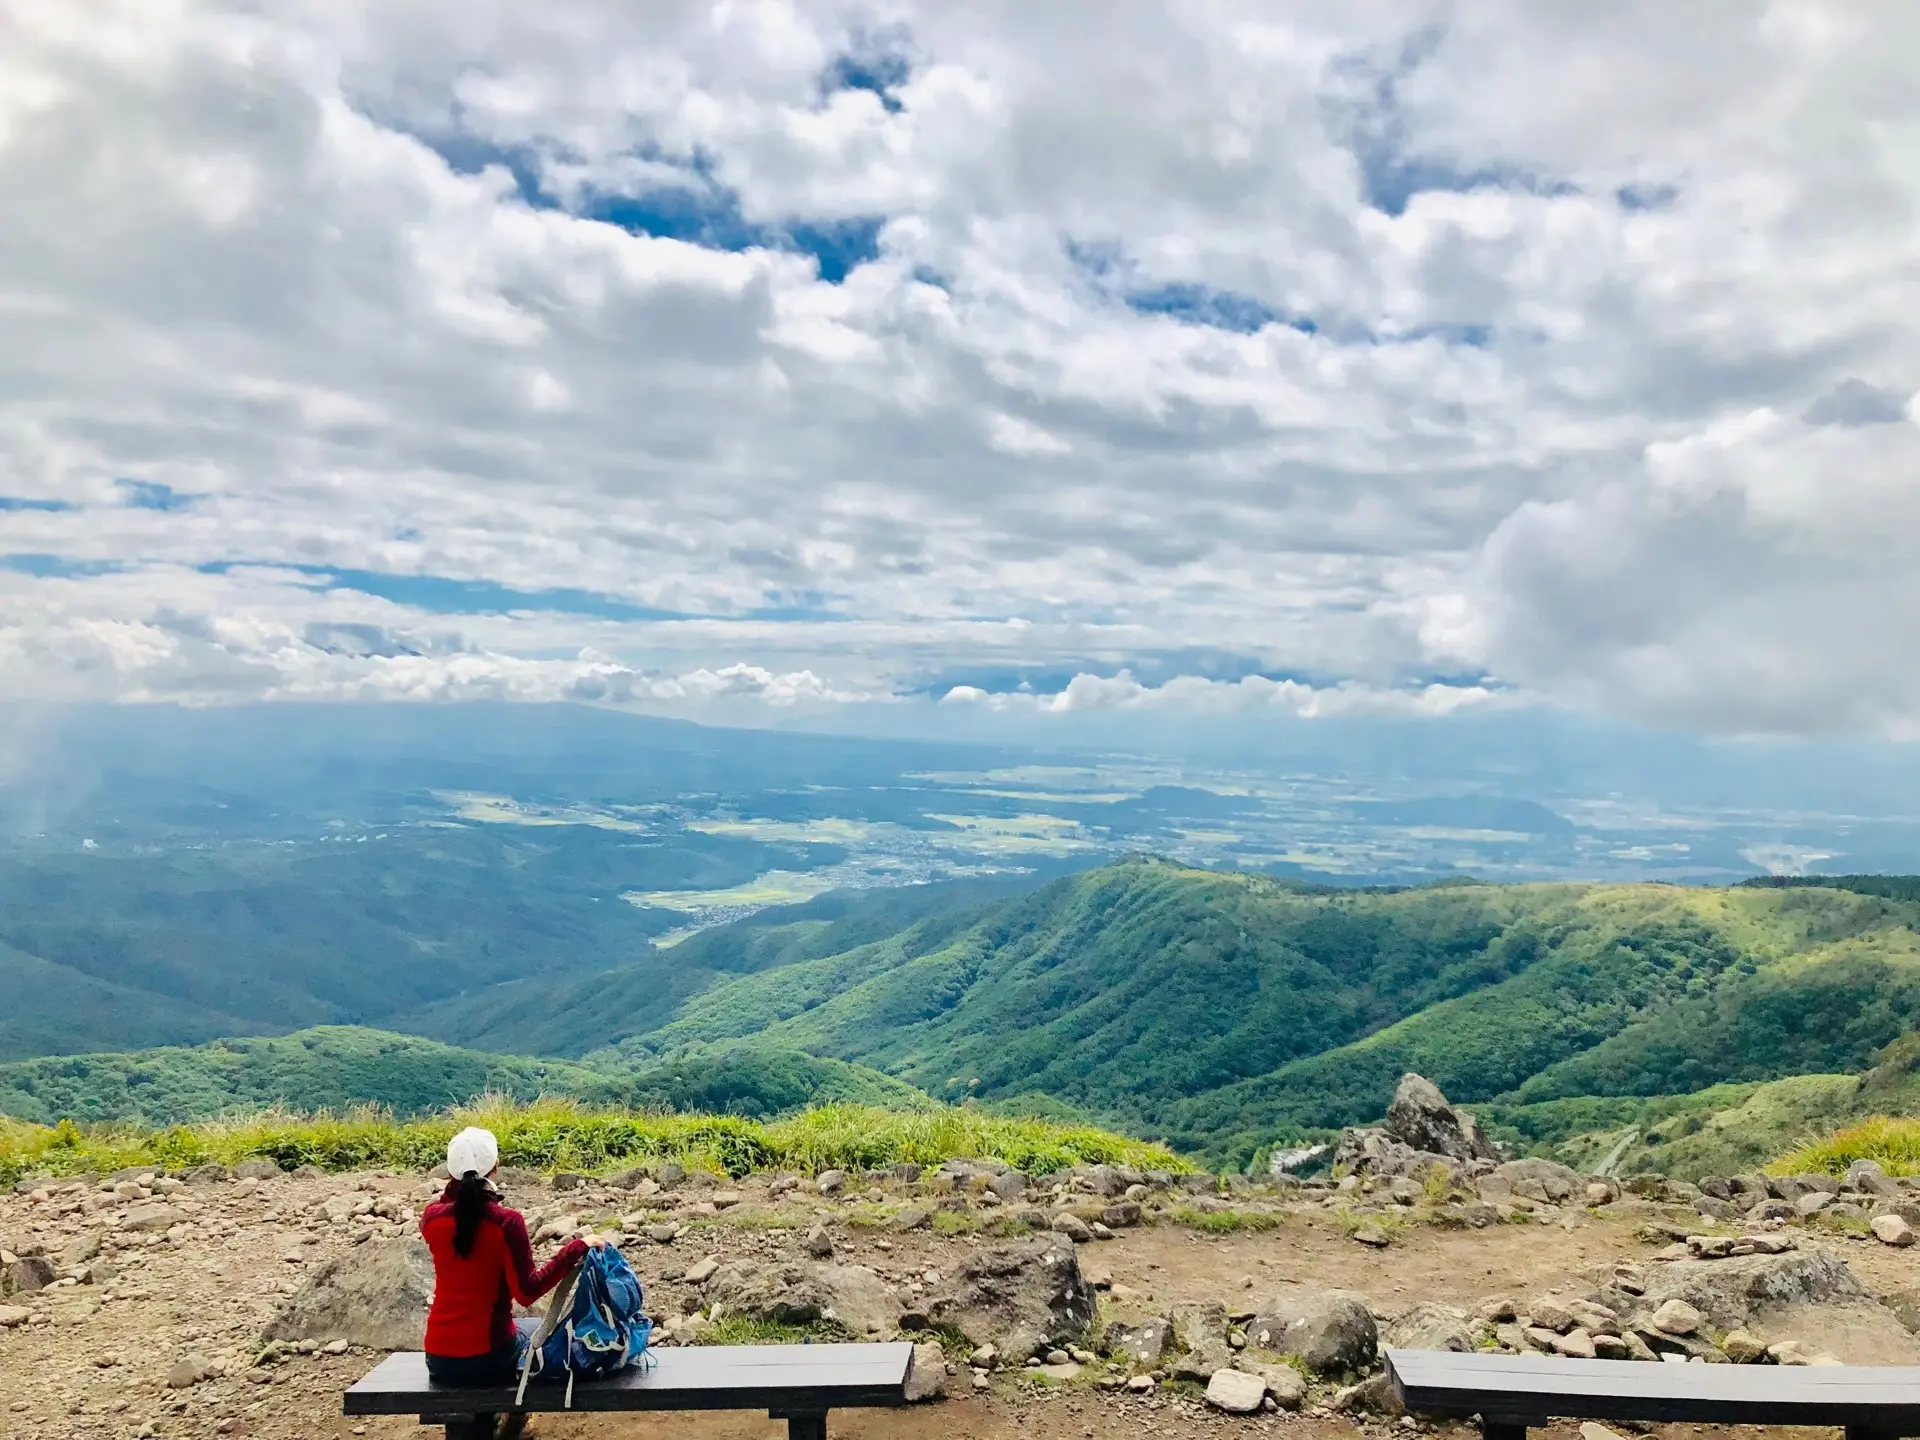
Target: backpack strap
<point x="558" y="1304"/>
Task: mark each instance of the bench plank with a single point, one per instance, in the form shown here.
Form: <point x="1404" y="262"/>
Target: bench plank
<point x="784" y="1379"/>
<point x="1521" y="1390"/>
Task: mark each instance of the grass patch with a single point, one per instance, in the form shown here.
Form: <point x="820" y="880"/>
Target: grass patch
<point x="1009" y="1227"/>
<point x="953" y="1222"/>
<point x="1892" y="1141"/>
<point x="746" y="1330"/>
<point x="555" y="1134"/>
<point x="1226" y="1222"/>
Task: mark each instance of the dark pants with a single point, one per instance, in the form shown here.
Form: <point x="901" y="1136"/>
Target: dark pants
<point x="496" y="1367"/>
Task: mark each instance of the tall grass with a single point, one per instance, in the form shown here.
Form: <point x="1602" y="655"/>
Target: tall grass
<point x="1894" y="1141"/>
<point x="553" y="1134"/>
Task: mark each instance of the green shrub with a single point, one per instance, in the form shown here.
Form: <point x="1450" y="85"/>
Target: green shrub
<point x="563" y="1134"/>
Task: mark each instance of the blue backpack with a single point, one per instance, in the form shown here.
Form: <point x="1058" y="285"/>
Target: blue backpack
<point x="596" y="1324"/>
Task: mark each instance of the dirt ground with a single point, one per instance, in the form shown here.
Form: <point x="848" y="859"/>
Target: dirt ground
<point x="91" y="1360"/>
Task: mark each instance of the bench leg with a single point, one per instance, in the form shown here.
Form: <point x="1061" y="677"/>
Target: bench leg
<point x="807" y="1427"/>
<point x="1502" y="1430"/>
<point x="470" y="1427"/>
<point x="1870" y="1432"/>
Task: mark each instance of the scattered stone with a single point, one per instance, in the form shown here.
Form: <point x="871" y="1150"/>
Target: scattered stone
<point x="1611" y="1347"/>
<point x="1009" y="1186"/>
<point x="983" y="1357"/>
<point x="927" y="1377"/>
<point x="1286" y="1387"/>
<point x="1121" y="1216"/>
<point x="1235" y="1392"/>
<point x="1676" y="1317"/>
<point x="831" y="1182"/>
<point x="570" y="1180"/>
<point x="663" y="1234"/>
<point x="1140" y="1384"/>
<point x="1812" y="1202"/>
<point x="820" y="1243"/>
<point x="725" y="1199"/>
<point x="702" y="1271"/>
<point x="1730" y="1292"/>
<point x="914" y="1217"/>
<point x="374" y="1295"/>
<point x="12" y="1315"/>
<point x="1372" y="1235"/>
<point x="1892" y="1230"/>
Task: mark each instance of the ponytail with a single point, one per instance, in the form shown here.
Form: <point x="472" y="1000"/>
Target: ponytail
<point x="469" y="1208"/>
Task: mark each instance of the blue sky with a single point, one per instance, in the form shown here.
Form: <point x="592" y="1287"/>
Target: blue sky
<point x="1259" y="361"/>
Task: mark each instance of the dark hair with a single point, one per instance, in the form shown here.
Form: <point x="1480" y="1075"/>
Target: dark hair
<point x="469" y="1208"/>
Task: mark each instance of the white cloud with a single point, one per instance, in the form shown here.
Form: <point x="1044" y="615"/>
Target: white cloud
<point x="1588" y="331"/>
<point x="1250" y="696"/>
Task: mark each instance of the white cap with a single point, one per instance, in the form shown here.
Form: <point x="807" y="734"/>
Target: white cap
<point x="472" y="1149"/>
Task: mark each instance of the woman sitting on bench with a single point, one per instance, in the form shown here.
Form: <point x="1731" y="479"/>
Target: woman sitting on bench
<point x="482" y="1265"/>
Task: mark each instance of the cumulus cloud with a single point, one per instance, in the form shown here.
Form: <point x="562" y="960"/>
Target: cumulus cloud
<point x="807" y="348"/>
<point x="1250" y="695"/>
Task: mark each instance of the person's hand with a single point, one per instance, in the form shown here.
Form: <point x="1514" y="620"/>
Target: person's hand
<point x="594" y="1242"/>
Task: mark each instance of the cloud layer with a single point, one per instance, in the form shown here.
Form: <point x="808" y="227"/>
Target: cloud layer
<point x="804" y="353"/>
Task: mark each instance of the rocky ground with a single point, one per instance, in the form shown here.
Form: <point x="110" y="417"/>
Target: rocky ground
<point x="207" y="1304"/>
<point x="1097" y="1301"/>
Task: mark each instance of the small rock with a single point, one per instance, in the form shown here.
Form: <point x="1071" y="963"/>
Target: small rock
<point x="187" y="1371"/>
<point x="820" y="1243"/>
<point x="1141" y="1384"/>
<point x="983" y="1357"/>
<point x="1059" y="1357"/>
<point x="927" y="1379"/>
<point x="1743" y="1347"/>
<point x="1813" y="1202"/>
<point x="1371" y="1234"/>
<point x="1550" y="1312"/>
<point x="1576" y="1344"/>
<point x="1892" y="1230"/>
<point x="1122" y="1215"/>
<point x="726" y="1199"/>
<point x="831" y="1182"/>
<point x="1235" y="1392"/>
<point x="12" y="1315"/>
<point x="662" y="1234"/>
<point x="1073" y="1227"/>
<point x="1676" y="1317"/>
<point x="27" y="1274"/>
<point x="704" y="1270"/>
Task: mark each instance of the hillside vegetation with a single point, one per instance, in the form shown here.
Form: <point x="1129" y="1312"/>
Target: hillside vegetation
<point x="1656" y="1026"/>
<point x="560" y="1134"/>
<point x="1226" y="1011"/>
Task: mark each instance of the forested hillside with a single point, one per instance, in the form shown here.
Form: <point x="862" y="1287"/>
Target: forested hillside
<point x="1219" y="1011"/>
<point x="1223" y="1011"/>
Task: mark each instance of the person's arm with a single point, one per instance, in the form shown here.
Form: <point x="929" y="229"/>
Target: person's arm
<point x="527" y="1282"/>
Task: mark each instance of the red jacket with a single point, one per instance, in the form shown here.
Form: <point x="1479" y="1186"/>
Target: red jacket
<point x="473" y="1296"/>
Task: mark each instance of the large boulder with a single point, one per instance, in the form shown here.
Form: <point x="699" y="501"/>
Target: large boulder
<point x="1022" y="1299"/>
<point x="1729" y="1292"/>
<point x="1430" y="1326"/>
<point x="1544" y="1180"/>
<point x="1329" y="1332"/>
<point x="374" y="1295"/>
<point x="851" y="1296"/>
<point x="1201" y="1332"/>
<point x="1421" y="1119"/>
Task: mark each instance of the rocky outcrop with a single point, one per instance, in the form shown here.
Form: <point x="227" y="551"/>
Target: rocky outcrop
<point x="1328" y="1332"/>
<point x="1421" y="1119"/>
<point x="1421" y="1129"/>
<point x="1729" y="1292"/>
<point x="1023" y="1299"/>
<point x="375" y="1295"/>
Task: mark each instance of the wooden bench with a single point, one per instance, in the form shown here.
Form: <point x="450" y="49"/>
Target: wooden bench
<point x="1511" y="1392"/>
<point x="795" y="1383"/>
